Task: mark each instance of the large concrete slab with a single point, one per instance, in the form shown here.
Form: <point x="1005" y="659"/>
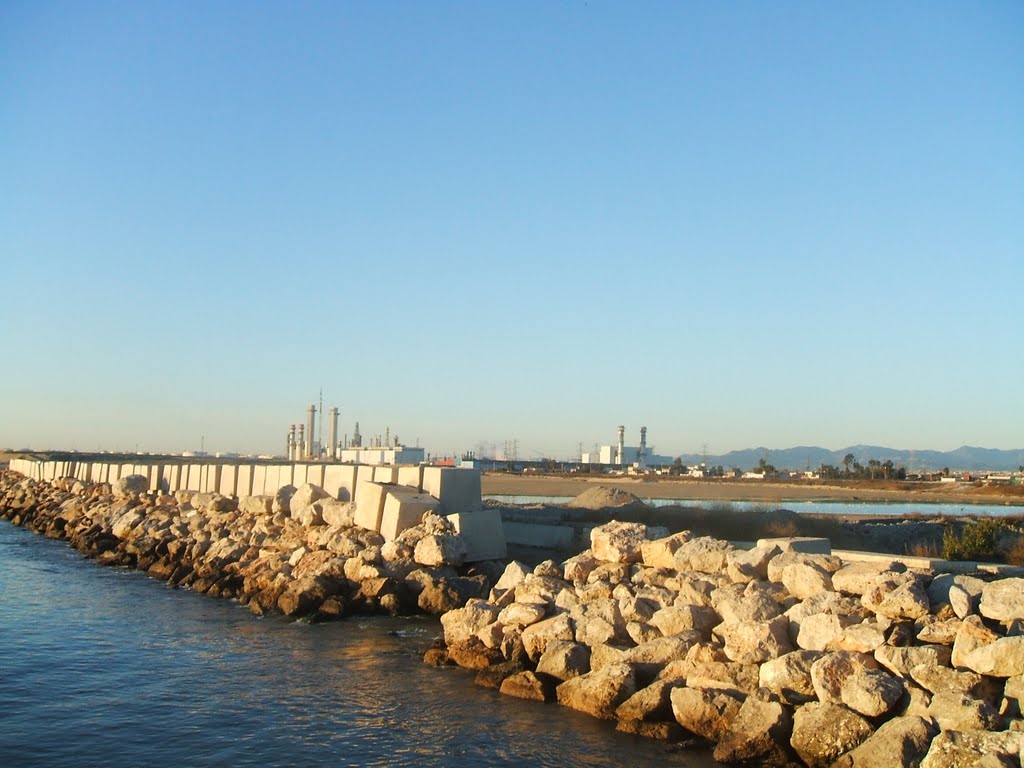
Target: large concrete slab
<point x="806" y="544"/>
<point x="228" y="480"/>
<point x="544" y="536"/>
<point x="195" y="477"/>
<point x="404" y="507"/>
<point x="243" y="485"/>
<point x="483" y="533"/>
<point x="299" y="472"/>
<point x="172" y="478"/>
<point x="156" y="477"/>
<point x="314" y="475"/>
<point x="340" y="481"/>
<point x="457" y="489"/>
<point x="259" y="480"/>
<point x="411" y="476"/>
<point x="370" y="498"/>
<point x="385" y="474"/>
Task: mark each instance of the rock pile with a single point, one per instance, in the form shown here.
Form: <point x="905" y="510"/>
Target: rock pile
<point x="775" y="656"/>
<point x="297" y="553"/>
<point x="603" y="497"/>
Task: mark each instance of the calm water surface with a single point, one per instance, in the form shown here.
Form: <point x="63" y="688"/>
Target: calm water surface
<point x="896" y="509"/>
<point x="107" y="667"/>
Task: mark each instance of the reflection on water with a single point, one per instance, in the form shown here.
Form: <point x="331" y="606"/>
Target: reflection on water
<point x="108" y="667"/>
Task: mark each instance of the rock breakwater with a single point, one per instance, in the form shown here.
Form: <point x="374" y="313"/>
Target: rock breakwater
<point x="297" y="553"/>
<point x="774" y="656"/>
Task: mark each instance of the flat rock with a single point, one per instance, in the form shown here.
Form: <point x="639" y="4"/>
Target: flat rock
<point x="829" y="673"/>
<point x="1003" y="600"/>
<point x="527" y="685"/>
<point x="1002" y="658"/>
<point x="564" y="659"/>
<point x="953" y="749"/>
<point x="789" y="676"/>
<point x="752" y="642"/>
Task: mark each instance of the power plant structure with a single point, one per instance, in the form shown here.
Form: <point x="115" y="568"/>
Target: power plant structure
<point x="303" y="445"/>
<point x="624" y="456"/>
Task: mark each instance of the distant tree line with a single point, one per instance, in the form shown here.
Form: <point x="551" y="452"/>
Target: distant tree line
<point x="854" y="470"/>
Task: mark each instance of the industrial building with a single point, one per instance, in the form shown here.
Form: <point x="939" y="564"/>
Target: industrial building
<point x="303" y="444"/>
<point x="624" y="456"/>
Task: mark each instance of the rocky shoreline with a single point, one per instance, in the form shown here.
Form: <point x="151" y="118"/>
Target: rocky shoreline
<point x="772" y="655"/>
<point x="298" y="553"/>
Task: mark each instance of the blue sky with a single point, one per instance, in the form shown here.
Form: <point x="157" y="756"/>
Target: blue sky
<point x="738" y="224"/>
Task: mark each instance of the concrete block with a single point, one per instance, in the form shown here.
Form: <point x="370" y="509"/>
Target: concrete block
<point x="314" y="475"/>
<point x="370" y="498"/>
<point x="126" y="470"/>
<point x="228" y="480"/>
<point x="272" y="484"/>
<point x="171" y="478"/>
<point x="411" y="475"/>
<point x="807" y="544"/>
<point x="286" y="475"/>
<point x="243" y="485"/>
<point x="194" y="479"/>
<point x="483" y="533"/>
<point x="534" y="535"/>
<point x="156" y="478"/>
<point x="457" y="489"/>
<point x="404" y="507"/>
<point x="97" y="473"/>
<point x="142" y="469"/>
<point x="385" y="474"/>
<point x="259" y="480"/>
<point x="340" y="481"/>
<point x="299" y="472"/>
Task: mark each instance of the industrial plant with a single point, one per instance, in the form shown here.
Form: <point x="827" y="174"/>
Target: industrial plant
<point x="624" y="456"/>
<point x="304" y="444"/>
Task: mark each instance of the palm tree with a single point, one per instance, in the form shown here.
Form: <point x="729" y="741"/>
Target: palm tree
<point x="847" y="460"/>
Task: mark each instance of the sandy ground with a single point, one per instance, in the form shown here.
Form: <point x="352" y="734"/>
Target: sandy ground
<point x="754" y="490"/>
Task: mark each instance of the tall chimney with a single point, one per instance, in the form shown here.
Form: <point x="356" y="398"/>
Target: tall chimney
<point x="310" y="430"/>
<point x="642" y="458"/>
<point x="291" y="442"/>
<point x="620" y="454"/>
<point x="332" y="451"/>
<point x="300" y="444"/>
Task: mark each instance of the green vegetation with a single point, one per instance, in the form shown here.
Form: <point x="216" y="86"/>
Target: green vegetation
<point x="977" y="540"/>
<point x="854" y="470"/>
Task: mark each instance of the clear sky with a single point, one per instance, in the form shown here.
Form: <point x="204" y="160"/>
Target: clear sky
<point x="738" y="223"/>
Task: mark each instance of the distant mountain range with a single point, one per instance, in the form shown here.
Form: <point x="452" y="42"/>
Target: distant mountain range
<point x="965" y="457"/>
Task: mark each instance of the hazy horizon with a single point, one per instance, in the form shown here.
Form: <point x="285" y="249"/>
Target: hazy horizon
<point x="735" y="225"/>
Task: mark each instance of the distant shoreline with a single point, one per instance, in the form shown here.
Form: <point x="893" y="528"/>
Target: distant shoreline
<point x="501" y="484"/>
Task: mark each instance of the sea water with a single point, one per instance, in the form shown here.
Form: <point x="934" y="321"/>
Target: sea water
<point x="108" y="667"/>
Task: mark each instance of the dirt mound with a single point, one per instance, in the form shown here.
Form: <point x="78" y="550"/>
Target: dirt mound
<point x="602" y="497"/>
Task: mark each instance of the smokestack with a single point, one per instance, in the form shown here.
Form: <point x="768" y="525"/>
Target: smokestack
<point x="291" y="442"/>
<point x="643" y="440"/>
<point x="310" y="424"/>
<point x="332" y="452"/>
<point x="620" y="454"/>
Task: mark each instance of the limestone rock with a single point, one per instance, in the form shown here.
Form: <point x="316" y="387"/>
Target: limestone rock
<point x="579" y="568"/>
<point x="952" y="749"/>
<point x="462" y="623"/>
<point x="537" y="636"/>
<point x="257" y="506"/>
<point x="804" y="580"/>
<point x="900" y="661"/>
<point x="564" y="659"/>
<point x="340" y="514"/>
<point x="1003" y="600"/>
<point x="789" y="676"/>
<point x="650" y="703"/>
<point x="283" y="500"/>
<point x="941" y="596"/>
<point x="862" y="638"/>
<point x="660" y="553"/>
<point x="521" y="614"/>
<point x="899" y="743"/>
<point x="527" y="685"/>
<point x="750" y="565"/>
<point x="752" y="604"/>
<point x="130" y="485"/>
<point x="871" y="692"/>
<point x="440" y="549"/>
<point x="822" y="732"/>
<point x="1001" y="658"/>
<point x="959" y="712"/>
<point x="752" y="642"/>
<point x="906" y="601"/>
<point x="618" y="542"/>
<point x="707" y="713"/>
<point x="961" y="682"/>
<point x="513" y="575"/>
<point x="973" y="634"/>
<point x="832" y="670"/>
<point x="684" y="618"/>
<point x="821" y="630"/>
<point x="703" y="554"/>
<point x="857" y="578"/>
<point x="760" y="732"/>
<point x="599" y="692"/>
